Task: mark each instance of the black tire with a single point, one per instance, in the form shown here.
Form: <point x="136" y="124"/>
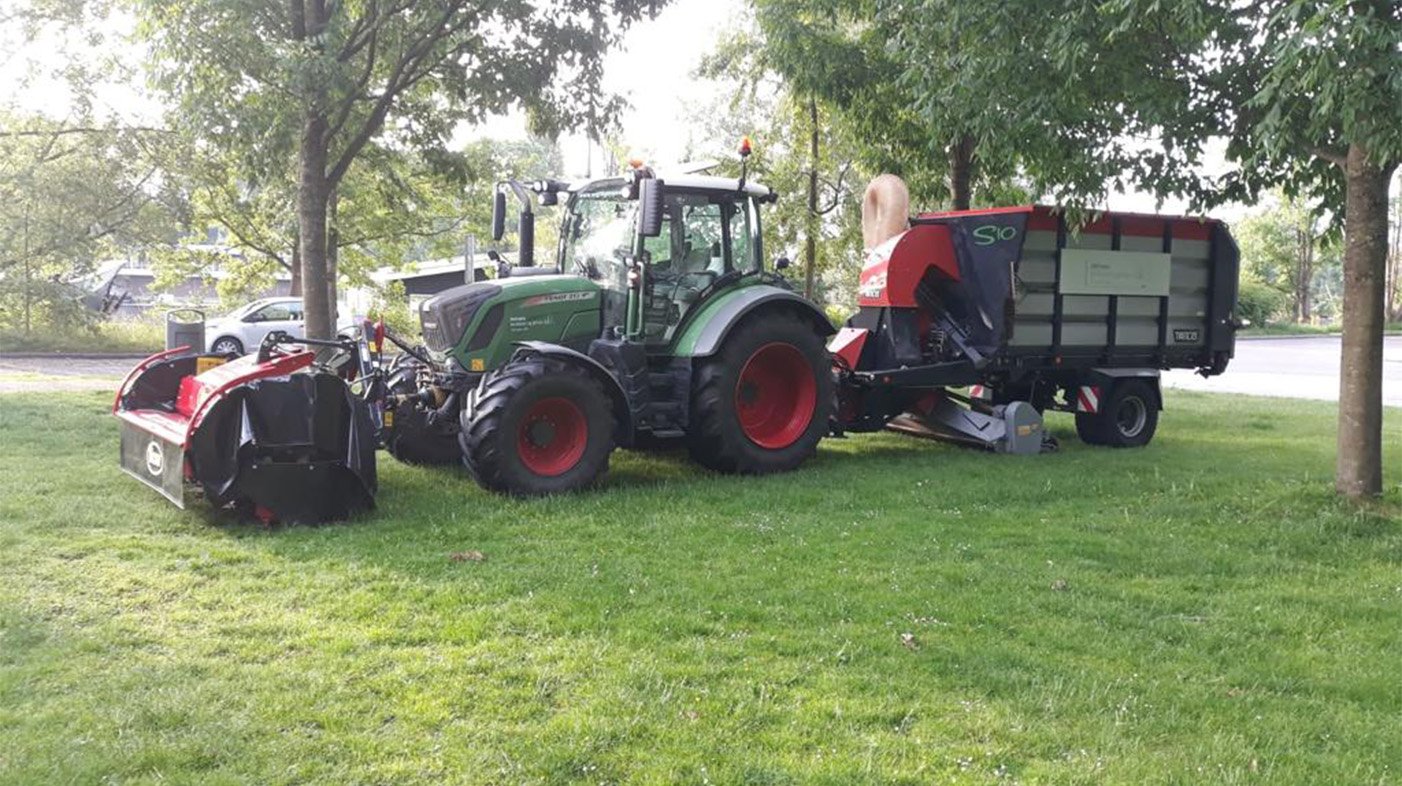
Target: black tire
<point x="719" y="439"/>
<point x="521" y="425"/>
<point x="411" y="438"/>
<point x="1127" y="418"/>
<point x="225" y="345"/>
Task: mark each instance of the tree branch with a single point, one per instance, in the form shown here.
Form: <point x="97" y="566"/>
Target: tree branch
<point x="1333" y="155"/>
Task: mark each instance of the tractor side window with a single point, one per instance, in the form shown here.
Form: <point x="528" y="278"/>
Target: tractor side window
<point x="742" y="251"/>
<point x="700" y="249"/>
<point x="690" y="254"/>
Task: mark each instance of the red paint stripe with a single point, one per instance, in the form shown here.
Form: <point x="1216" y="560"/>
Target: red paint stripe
<point x="988" y="211"/>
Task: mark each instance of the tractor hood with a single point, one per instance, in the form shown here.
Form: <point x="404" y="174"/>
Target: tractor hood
<point x="474" y="319"/>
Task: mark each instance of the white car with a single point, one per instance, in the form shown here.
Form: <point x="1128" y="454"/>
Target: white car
<point x="244" y="328"/>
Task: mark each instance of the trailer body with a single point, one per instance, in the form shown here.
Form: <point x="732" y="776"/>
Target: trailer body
<point x="1024" y="307"/>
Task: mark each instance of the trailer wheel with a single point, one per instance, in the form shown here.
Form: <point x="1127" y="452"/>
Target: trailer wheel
<point x="537" y="426"/>
<point x="1127" y="418"/>
<point x="409" y="437"/>
<point x="762" y="402"/>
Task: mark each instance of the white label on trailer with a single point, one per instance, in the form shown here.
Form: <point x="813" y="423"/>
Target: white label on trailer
<point x="1090" y="272"/>
<point x="1088" y="399"/>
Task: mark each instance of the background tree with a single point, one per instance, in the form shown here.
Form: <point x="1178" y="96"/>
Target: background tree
<point x="1289" y="247"/>
<point x="329" y="79"/>
<point x="964" y="97"/>
<point x="1309" y="94"/>
<point x="805" y="153"/>
<point x="70" y="194"/>
<point x="1393" y="295"/>
<point x="393" y="210"/>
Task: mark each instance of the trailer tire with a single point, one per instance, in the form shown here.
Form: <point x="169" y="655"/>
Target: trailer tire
<point x="1127" y="418"/>
<point x="761" y="403"/>
<point x="537" y="425"/>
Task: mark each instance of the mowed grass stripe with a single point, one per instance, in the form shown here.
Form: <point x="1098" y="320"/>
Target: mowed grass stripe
<point x="898" y="611"/>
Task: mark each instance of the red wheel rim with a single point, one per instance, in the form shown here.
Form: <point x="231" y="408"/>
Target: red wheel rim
<point x="552" y="436"/>
<point x="775" y="396"/>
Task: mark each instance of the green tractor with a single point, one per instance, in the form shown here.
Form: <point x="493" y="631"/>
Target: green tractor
<point x="656" y="324"/>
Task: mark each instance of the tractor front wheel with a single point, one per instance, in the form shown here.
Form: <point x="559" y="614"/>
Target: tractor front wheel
<point x="537" y="426"/>
<point x="762" y="403"/>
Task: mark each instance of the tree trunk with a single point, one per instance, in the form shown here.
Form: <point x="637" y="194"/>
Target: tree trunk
<point x="961" y="172"/>
<point x="1359" y="469"/>
<point x="312" y="191"/>
<point x="810" y="250"/>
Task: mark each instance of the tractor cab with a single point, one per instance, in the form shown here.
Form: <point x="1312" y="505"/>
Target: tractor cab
<point x="657" y="249"/>
<point x="705" y="236"/>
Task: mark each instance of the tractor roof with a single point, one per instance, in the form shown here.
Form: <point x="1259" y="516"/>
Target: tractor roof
<point x="700" y="182"/>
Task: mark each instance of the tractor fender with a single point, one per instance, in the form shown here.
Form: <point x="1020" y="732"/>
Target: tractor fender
<point x="707" y="334"/>
<point x="622" y="414"/>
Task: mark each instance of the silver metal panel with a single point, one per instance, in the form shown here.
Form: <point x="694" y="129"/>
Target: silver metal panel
<point x="156" y="462"/>
<point x="1139" y="307"/>
<point x="1141" y="243"/>
<point x="1086" y="241"/>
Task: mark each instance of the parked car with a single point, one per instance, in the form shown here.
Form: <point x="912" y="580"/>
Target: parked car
<point x="244" y="328"/>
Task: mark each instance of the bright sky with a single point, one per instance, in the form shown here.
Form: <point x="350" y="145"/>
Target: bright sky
<point x="653" y="71"/>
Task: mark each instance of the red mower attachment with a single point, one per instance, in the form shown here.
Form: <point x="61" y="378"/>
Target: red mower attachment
<point x="272" y="434"/>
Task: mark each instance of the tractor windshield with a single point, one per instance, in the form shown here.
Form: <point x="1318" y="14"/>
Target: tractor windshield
<point x="599" y="237"/>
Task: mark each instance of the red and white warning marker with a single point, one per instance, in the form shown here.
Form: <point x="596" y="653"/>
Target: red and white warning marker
<point x="1088" y="399"/>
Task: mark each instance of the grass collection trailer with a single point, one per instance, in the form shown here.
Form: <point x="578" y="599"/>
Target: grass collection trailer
<point x="1033" y="314"/>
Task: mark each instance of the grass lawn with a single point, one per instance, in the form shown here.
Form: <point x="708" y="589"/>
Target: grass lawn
<point x="114" y="335"/>
<point x="1201" y="611"/>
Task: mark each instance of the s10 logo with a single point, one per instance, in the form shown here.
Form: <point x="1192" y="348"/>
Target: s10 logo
<point x="988" y="234"/>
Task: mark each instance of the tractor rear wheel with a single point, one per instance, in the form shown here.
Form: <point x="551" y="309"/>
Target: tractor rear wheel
<point x="537" y="425"/>
<point x="409" y="437"/>
<point x="1127" y="418"/>
<point x="762" y="403"/>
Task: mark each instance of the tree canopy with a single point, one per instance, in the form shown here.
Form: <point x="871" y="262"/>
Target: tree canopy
<point x="68" y="196"/>
<point x="271" y="81"/>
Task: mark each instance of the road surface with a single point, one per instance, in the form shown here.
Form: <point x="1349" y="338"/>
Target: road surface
<point x="61" y="374"/>
<point x="1292" y="367"/>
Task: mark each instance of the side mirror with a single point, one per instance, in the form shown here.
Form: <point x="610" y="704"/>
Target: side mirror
<point x="650" y="207"/>
<point x="782" y="263"/>
<point x="498" y="215"/>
